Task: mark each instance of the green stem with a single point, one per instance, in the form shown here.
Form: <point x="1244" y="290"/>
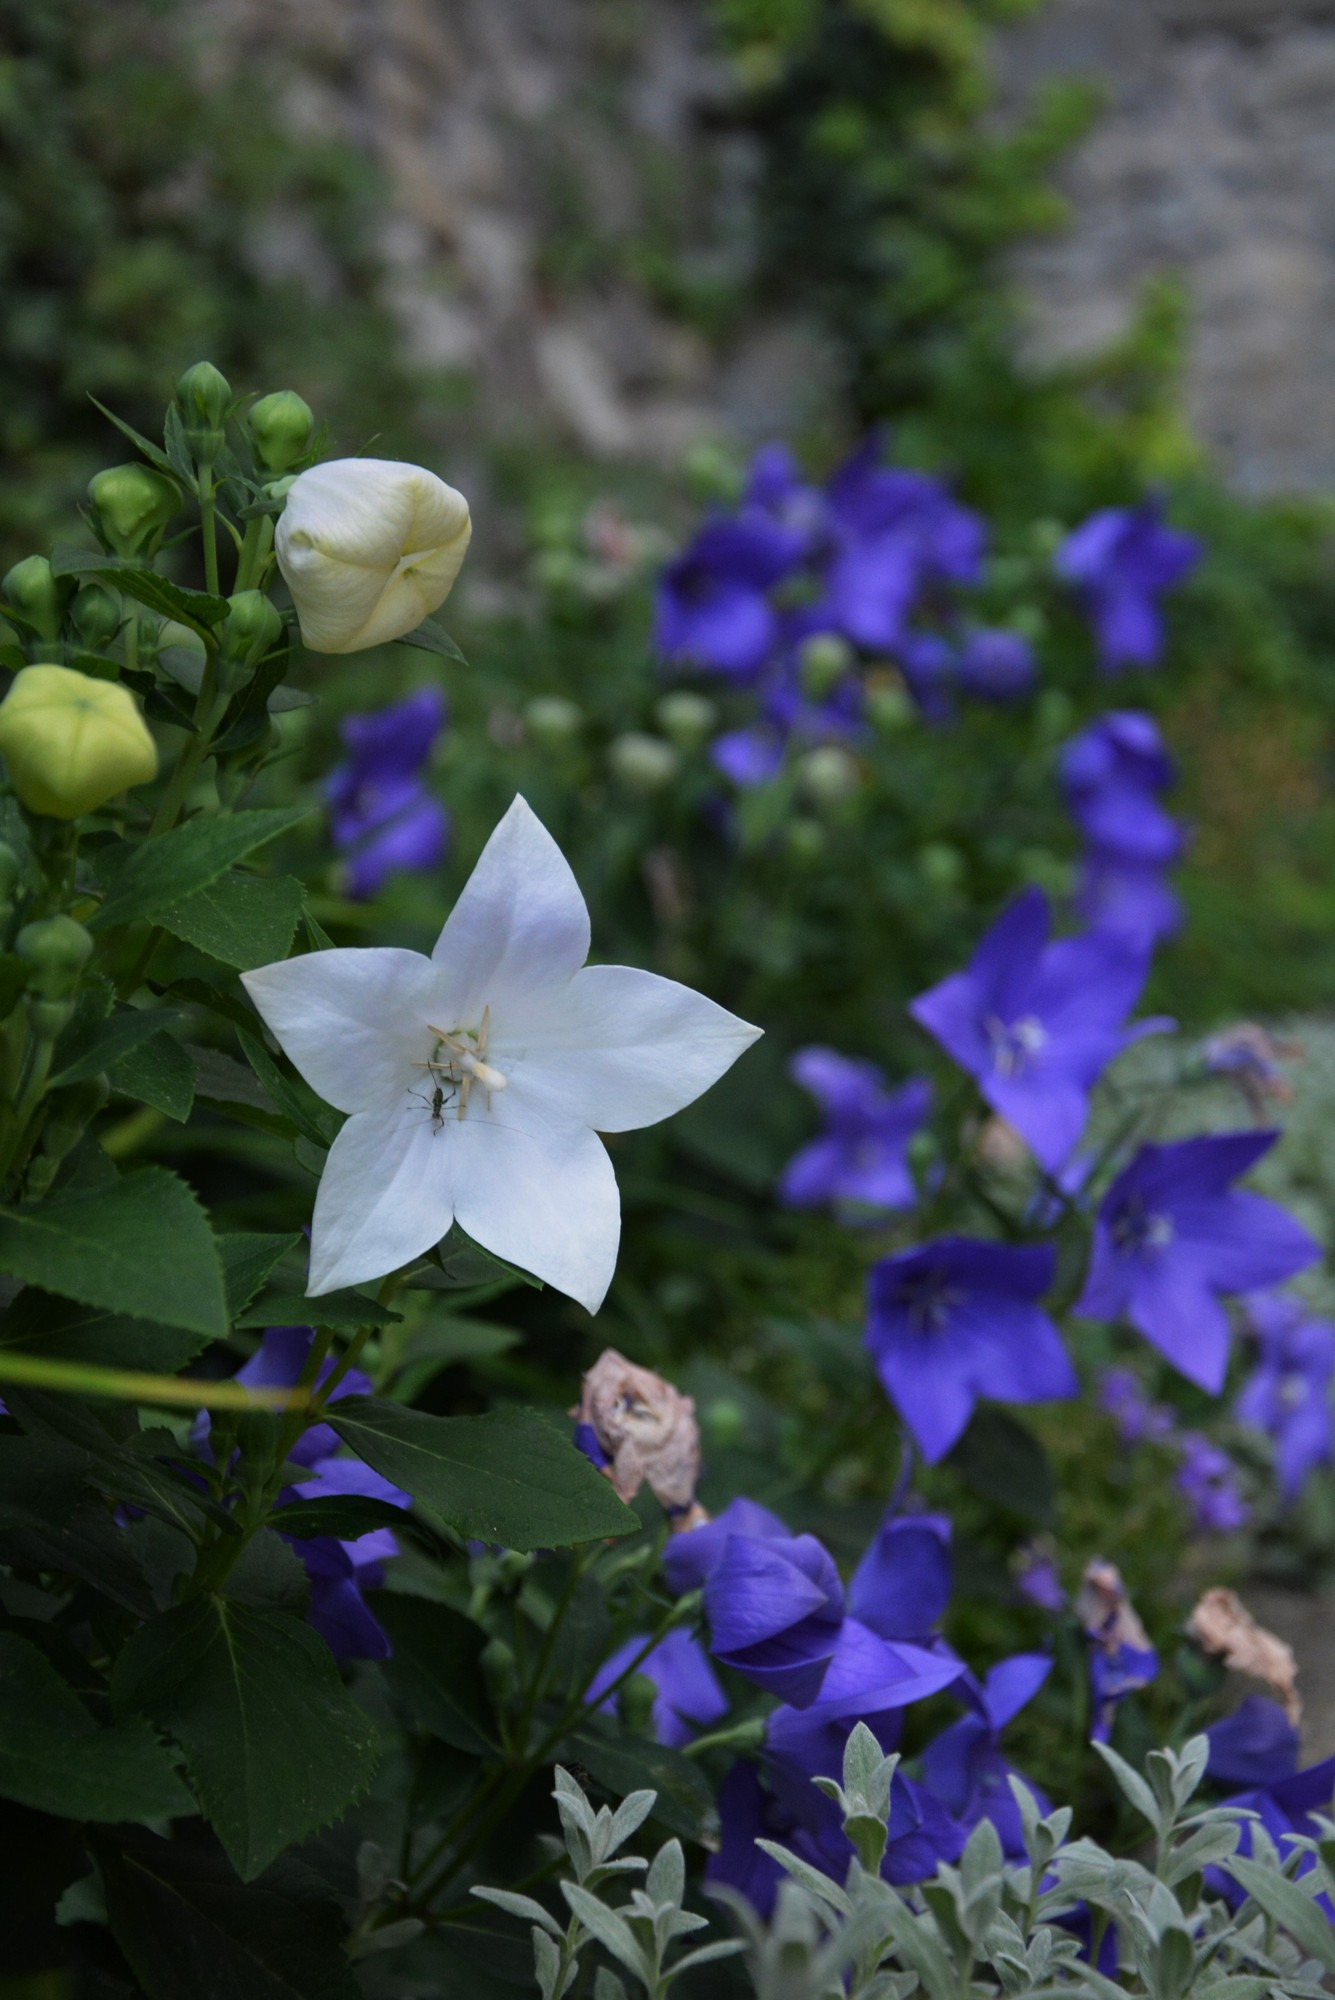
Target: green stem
<point x="128" y="1385"/>
<point x="208" y="712"/>
<point x="14" y="1151"/>
<point x="209" y="529"/>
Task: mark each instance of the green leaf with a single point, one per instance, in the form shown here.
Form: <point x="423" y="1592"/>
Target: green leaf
<point x="1290" y="1906"/>
<point x="1005" y="1463"/>
<point x="88" y="1545"/>
<point x="247" y="1260"/>
<point x="142" y="1246"/>
<point x="444" y="1343"/>
<point x="166" y="872"/>
<point x="508" y="1477"/>
<point x="345" y="1516"/>
<point x="158" y="1072"/>
<point x="153" y="453"/>
<point x="37" y="1323"/>
<point x="41" y="1481"/>
<point x="92" y="1045"/>
<point x="685" y="1802"/>
<point x="195" y="608"/>
<point x="178" y="450"/>
<point x="434" y="1671"/>
<point x="54" y="1757"/>
<point x="187" y="1926"/>
<point x="343" y="1311"/>
<point x="275" y="1744"/>
<point x="429" y="637"/>
<point x="243" y="920"/>
<point x="298" y="1103"/>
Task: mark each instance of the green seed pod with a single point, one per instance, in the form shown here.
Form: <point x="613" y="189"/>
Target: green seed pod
<point x="133" y="505"/>
<point x="31" y="588"/>
<point x="57" y="949"/>
<point x="280" y="428"/>
<point x="252" y="628"/>
<point x="688" y="719"/>
<point x="823" y="659"/>
<point x="204" y="396"/>
<point x="642" y="765"/>
<point x="827" y="776"/>
<point x="96" y="615"/>
<point x="552" y="721"/>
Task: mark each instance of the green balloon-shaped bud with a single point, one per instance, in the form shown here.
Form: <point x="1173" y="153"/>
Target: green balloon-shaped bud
<point x="688" y="719"/>
<point x="642" y="764"/>
<point x="57" y="950"/>
<point x="71" y="742"/>
<point x="31" y="589"/>
<point x="553" y="721"/>
<point x="96" y="615"/>
<point x="133" y="505"/>
<point x="824" y="659"/>
<point x="827" y="776"/>
<point x="251" y="628"/>
<point x="204" y="396"/>
<point x="280" y="428"/>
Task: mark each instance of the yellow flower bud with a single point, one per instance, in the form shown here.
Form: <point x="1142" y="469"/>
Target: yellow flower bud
<point x="72" y="742"/>
<point x="369" y="548"/>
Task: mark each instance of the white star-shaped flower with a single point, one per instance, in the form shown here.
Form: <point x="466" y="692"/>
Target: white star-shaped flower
<point x="476" y="1080"/>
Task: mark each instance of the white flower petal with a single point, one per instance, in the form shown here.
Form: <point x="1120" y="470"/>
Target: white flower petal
<point x="352" y="1020"/>
<point x="384" y="1197"/>
<point x="544" y="1199"/>
<point x="369" y="547"/>
<point x="615" y="1048"/>
<point x="519" y="927"/>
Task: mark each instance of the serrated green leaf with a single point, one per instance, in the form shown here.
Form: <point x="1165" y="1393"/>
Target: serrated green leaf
<point x="178" y="449"/>
<point x="434" y="1672"/>
<point x="41" y="1481"/>
<point x="429" y="637"/>
<point x="275" y="1745"/>
<point x="247" y="1259"/>
<point x="241" y="920"/>
<point x="345" y="1516"/>
<point x="37" y="1323"/>
<point x="157" y="1072"/>
<point x="164" y="873"/>
<point x="196" y="608"/>
<point x="92" y="1045"/>
<point x="297" y="1102"/>
<point x="343" y="1311"/>
<point x="142" y="1246"/>
<point x="507" y="1477"/>
<point x="153" y="453"/>
<point x="187" y="1926"/>
<point x="54" y="1757"/>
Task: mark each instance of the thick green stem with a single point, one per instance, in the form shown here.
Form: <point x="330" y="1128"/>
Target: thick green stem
<point x="208" y="523"/>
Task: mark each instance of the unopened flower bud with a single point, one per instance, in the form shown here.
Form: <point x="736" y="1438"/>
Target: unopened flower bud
<point x="552" y="721"/>
<point x="69" y="1113"/>
<point x="251" y="628"/>
<point x="71" y="742"/>
<point x="31" y="589"/>
<point x="133" y="505"/>
<point x="823" y="660"/>
<point x="641" y="764"/>
<point x="280" y="428"/>
<point x="942" y="865"/>
<point x="96" y="615"/>
<point x="500" y="1670"/>
<point x="369" y="548"/>
<point x="635" y="1700"/>
<point x="57" y="950"/>
<point x="890" y="706"/>
<point x="204" y="396"/>
<point x="688" y="719"/>
<point x="806" y="839"/>
<point x="827" y="776"/>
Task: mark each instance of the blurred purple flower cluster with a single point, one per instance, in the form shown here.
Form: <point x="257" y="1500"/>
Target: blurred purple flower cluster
<point x="383" y="819"/>
<point x="1112" y="775"/>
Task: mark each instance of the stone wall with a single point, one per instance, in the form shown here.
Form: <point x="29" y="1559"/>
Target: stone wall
<point x="1214" y="157"/>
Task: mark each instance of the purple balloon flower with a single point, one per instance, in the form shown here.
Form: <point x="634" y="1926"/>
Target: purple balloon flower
<point x="1121" y="1658"/>
<point x="959" y="1319"/>
<point x="893" y="534"/>
<point x="1261" y="1753"/>
<point x="774" y="1607"/>
<point x="1127" y="902"/>
<point x="996" y="665"/>
<point x="965" y="1766"/>
<point x="1120" y="562"/>
<point x="1138" y="1420"/>
<point x="749" y="757"/>
<point x="690" y="1559"/>
<point x="1172" y="1235"/>
<point x="713" y="607"/>
<point x="862" y="1154"/>
<point x="901" y="1587"/>
<point x="1035" y="1024"/>
<point x="1111" y="774"/>
<point x="775" y="488"/>
<point x="1253" y="1746"/>
<point x="1288" y="1395"/>
<point x="1208" y="1480"/>
<point x="688" y="1697"/>
<point x="382" y="819"/>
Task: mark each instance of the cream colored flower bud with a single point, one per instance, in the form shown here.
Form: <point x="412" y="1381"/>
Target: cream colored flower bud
<point x="71" y="742"/>
<point x="369" y="548"/>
